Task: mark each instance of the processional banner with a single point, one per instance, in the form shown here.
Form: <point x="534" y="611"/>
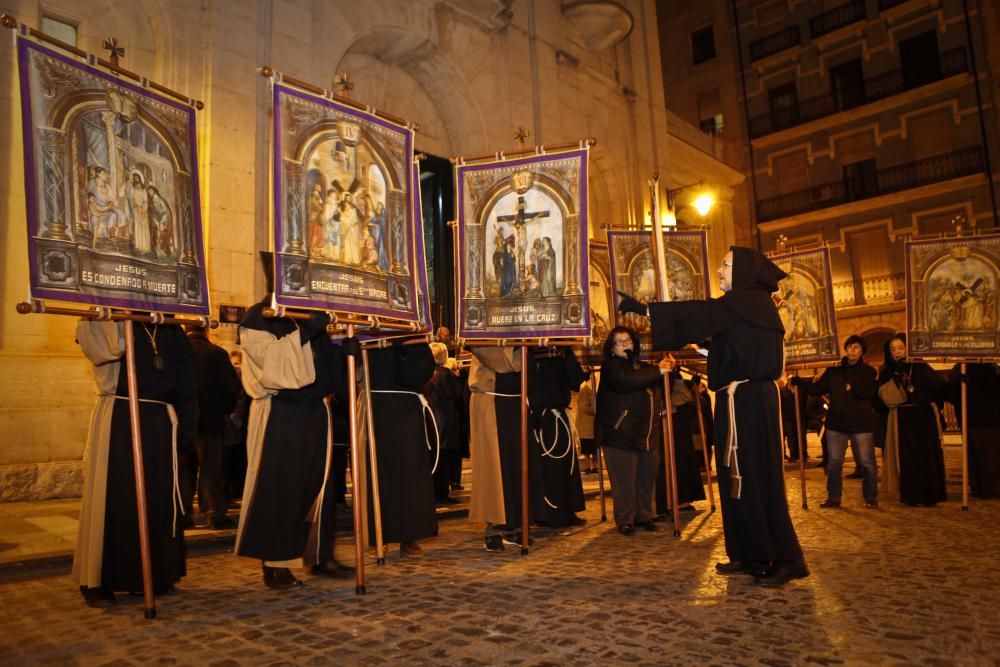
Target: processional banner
<point x="346" y="221"/>
<point x="951" y="297"/>
<point x="633" y="271"/>
<point x="805" y="304"/>
<point x="111" y="181"/>
<point x="522" y="249"/>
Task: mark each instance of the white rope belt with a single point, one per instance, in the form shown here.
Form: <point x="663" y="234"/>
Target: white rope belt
<point x="176" y="499"/>
<point x="731" y="458"/>
<point x="425" y="408"/>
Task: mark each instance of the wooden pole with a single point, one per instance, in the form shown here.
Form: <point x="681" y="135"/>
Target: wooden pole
<point x="524" y="451"/>
<point x="965" y="437"/>
<point x="704" y="449"/>
<point x="799" y="439"/>
<point x="140" y="476"/>
<point x="660" y="257"/>
<point x="600" y="461"/>
<point x="352" y="400"/>
<point x="373" y="459"/>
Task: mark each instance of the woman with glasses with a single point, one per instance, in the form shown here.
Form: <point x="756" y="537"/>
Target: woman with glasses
<point x="628" y="427"/>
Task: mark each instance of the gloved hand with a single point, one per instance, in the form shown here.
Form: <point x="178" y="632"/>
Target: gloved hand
<point x="314" y="326"/>
<point x="629" y="304"/>
<point x="795" y="381"/>
<point x="351" y="347"/>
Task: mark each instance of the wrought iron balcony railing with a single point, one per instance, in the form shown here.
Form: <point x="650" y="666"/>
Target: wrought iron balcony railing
<point x="836" y="18"/>
<point x="876" y="88"/>
<point x="883" y="5"/>
<point x="930" y="170"/>
<point x="775" y="43"/>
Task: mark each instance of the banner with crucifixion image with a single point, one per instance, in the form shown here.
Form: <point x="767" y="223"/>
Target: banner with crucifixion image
<point x="805" y="304"/>
<point x="522" y="249"/>
<point x="951" y="297"/>
<point x="345" y="222"/>
<point x="633" y="271"/>
<point x="111" y="182"/>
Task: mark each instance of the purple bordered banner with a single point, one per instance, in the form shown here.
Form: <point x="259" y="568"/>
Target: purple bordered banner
<point x="346" y="224"/>
<point x="633" y="271"/>
<point x="111" y="184"/>
<point x="951" y="298"/>
<point x="805" y="304"/>
<point x="522" y="248"/>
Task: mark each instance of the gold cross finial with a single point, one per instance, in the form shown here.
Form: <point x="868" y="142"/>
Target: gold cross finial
<point x="521" y="136"/>
<point x="116" y="52"/>
<point x="782" y="240"/>
<point x="343" y="83"/>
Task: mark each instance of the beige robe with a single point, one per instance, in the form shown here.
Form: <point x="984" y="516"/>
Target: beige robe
<point x="104" y="344"/>
<point x="487" y="483"/>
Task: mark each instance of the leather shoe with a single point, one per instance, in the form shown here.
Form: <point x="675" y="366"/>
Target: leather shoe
<point x="741" y="567"/>
<point x="781" y="573"/>
<point x="872" y="504"/>
<point x="333" y="569"/>
<point x="280" y="578"/>
<point x="626" y="529"/>
<point x="410" y="550"/>
<point x="98" y="597"/>
<point x="221" y="523"/>
<point x="830" y="503"/>
<point x="648" y="526"/>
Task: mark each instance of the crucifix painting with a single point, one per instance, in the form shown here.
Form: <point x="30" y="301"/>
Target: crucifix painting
<point x="346" y="230"/>
<point x="523" y="261"/>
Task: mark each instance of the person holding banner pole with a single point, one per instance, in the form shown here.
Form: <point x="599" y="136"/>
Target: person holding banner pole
<point x="290" y="367"/>
<point x="107" y="558"/>
<point x="745" y="360"/>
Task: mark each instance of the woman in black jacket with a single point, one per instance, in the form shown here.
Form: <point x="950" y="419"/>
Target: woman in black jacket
<point x="628" y="427"/>
<point x="914" y="460"/>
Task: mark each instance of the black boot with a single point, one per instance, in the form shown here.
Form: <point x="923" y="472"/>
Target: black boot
<point x="280" y="578"/>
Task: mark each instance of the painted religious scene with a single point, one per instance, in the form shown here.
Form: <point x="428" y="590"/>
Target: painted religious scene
<point x="633" y="271"/>
<point x="951" y="297"/>
<point x="805" y="304"/>
<point x="523" y="253"/>
<point x="114" y="214"/>
<point x="346" y="228"/>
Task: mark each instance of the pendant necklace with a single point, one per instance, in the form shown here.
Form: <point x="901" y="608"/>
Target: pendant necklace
<point x="157" y="359"/>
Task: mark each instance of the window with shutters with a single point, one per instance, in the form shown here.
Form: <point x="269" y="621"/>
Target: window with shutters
<point x="702" y="45"/>
<point x="930" y="134"/>
<point x="791" y="172"/>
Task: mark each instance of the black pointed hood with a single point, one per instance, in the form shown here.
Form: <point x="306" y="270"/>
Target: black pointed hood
<point x="755" y="277"/>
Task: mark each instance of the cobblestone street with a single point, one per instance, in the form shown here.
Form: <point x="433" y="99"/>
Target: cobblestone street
<point x="895" y="586"/>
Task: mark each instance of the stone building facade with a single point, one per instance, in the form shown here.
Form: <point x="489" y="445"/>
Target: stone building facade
<point x="470" y="72"/>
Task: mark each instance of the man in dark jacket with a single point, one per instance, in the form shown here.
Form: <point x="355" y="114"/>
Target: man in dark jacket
<point x="851" y="386"/>
<point x="218" y="391"/>
<point x="745" y="359"/>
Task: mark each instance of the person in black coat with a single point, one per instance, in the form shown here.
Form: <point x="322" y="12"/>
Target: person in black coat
<point x="628" y="427"/>
<point x="851" y="386"/>
<point x="983" y="429"/>
<point x="745" y="360"/>
<point x="218" y="390"/>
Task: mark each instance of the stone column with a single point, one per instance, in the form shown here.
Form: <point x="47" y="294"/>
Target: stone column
<point x="54" y="183"/>
<point x="293" y="208"/>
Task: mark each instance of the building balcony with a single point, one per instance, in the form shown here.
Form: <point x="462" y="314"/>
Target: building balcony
<point x="775" y="43"/>
<point x="871" y="291"/>
<point x="837" y="18"/>
<point x="884" y="5"/>
<point x="876" y="88"/>
<point x="930" y="170"/>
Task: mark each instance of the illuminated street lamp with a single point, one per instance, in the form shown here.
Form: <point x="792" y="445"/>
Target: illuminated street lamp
<point x="702" y="203"/>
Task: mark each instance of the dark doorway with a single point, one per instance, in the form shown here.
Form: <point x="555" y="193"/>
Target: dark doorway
<point x="847" y="83"/>
<point x="919" y="58"/>
<point x="860" y="180"/>
<point x="437" y="199"/>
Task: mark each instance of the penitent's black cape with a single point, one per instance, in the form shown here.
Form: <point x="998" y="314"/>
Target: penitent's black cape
<point x="745" y="337"/>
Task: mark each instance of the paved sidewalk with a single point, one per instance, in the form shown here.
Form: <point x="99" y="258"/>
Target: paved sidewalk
<point x="899" y="586"/>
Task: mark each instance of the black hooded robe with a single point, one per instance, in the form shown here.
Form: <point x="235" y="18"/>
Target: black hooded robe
<point x="746" y="345"/>
<point x="689" y="482"/>
<point x="403" y="434"/>
<point x="551" y="378"/>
